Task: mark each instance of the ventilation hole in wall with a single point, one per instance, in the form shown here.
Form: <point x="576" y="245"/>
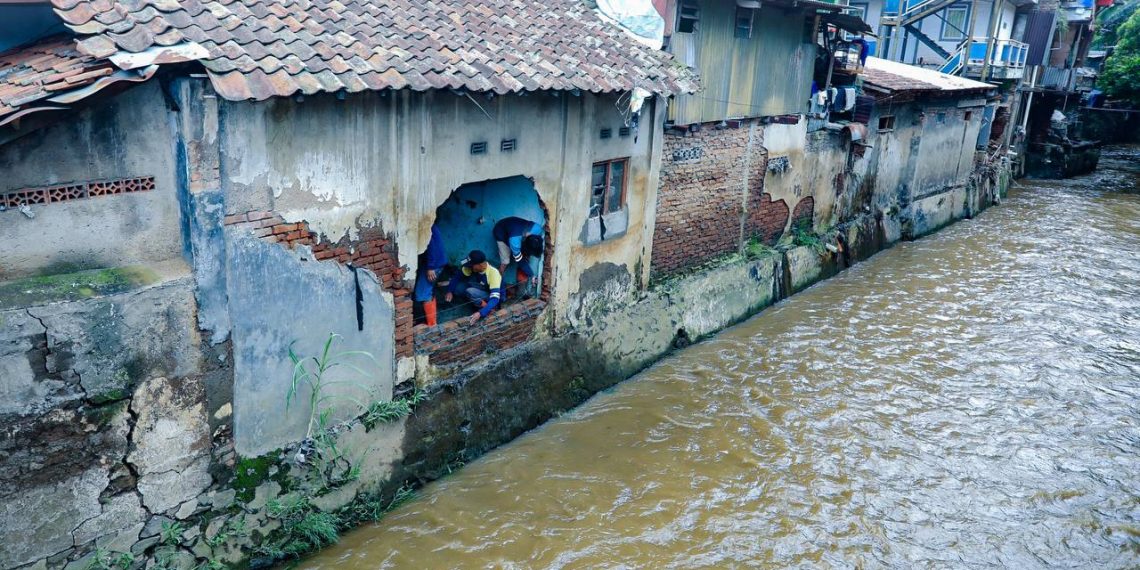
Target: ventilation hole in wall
<point x="507" y="145"/>
<point x="623" y="132"/>
<point x="479" y="147"/>
<point x="74" y="191"/>
<point x="607" y="133"/>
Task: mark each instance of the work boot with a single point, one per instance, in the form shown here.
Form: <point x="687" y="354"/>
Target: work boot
<point x="431" y="313"/>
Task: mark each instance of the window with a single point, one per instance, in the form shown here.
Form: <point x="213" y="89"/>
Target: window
<point x="887" y="123"/>
<point x="941" y="118"/>
<point x="688" y="14"/>
<point x="955" y="19"/>
<point x="968" y="115"/>
<point x="744" y="17"/>
<point x="608" y="218"/>
<point x="859" y="11"/>
<point x="608" y="193"/>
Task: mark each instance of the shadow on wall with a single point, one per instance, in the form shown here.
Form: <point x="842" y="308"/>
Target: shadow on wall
<point x="466" y="219"/>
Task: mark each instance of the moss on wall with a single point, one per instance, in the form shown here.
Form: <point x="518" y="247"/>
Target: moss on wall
<point x="46" y="289"/>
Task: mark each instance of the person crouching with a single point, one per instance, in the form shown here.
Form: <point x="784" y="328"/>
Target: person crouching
<point x="518" y="241"/>
<point x="478" y="283"/>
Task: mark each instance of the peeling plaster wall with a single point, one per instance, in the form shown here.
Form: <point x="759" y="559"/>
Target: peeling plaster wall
<point x="391" y="159"/>
<point x="815" y="160"/>
<point x="279" y="302"/>
<point x="919" y="169"/>
<point x="128" y="137"/>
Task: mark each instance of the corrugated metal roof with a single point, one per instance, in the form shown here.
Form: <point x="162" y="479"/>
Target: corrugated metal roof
<point x="258" y="49"/>
<point x="894" y="76"/>
<point x="1039" y="36"/>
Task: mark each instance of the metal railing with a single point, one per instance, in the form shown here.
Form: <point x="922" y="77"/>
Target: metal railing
<point x="1007" y="54"/>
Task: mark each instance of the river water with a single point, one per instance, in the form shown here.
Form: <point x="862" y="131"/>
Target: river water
<point x="967" y="400"/>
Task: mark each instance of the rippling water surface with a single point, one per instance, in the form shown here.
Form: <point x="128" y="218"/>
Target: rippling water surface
<point x="971" y="399"/>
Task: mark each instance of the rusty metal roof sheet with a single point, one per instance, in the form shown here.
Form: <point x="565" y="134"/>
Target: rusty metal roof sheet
<point x="257" y="49"/>
<point x="30" y="75"/>
<point x="886" y="75"/>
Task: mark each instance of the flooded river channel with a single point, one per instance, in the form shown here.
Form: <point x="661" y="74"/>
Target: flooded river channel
<point x="971" y="399"/>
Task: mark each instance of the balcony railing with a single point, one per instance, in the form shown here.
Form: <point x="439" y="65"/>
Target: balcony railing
<point x="1007" y="53"/>
<point x="1006" y="62"/>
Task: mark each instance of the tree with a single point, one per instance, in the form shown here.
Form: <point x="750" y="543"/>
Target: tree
<point x="1121" y="76"/>
<point x="1109" y="20"/>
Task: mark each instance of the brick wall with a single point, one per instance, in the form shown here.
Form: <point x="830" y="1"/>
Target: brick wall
<point x="372" y="249"/>
<point x="456" y="341"/>
<point x="701" y="201"/>
<point x="766" y="218"/>
<point x="803" y="214"/>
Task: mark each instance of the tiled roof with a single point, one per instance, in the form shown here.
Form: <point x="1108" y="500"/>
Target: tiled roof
<point x="264" y="48"/>
<point x="31" y="74"/>
<point x="894" y="76"/>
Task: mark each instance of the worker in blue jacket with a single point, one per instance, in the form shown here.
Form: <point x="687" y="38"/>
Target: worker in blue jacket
<point x="478" y="283"/>
<point x="430" y="263"/>
<point x="518" y="240"/>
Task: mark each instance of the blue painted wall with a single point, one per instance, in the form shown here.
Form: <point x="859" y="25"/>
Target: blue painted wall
<point x="466" y="219"/>
<point x="23" y="23"/>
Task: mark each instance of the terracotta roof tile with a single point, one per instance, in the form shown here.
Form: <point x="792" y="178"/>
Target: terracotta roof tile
<point x="31" y="74"/>
<point x="263" y="48"/>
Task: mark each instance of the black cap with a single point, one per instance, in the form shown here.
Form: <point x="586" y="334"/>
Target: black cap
<point x="475" y="258"/>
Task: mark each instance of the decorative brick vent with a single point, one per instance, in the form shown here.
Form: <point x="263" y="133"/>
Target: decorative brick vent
<point x="459" y="342"/>
<point x="76" y="191"/>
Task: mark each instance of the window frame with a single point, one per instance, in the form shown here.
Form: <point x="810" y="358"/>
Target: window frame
<point x="948" y="32"/>
<point x="691" y="22"/>
<point x="886" y="123"/>
<point x="608" y="164"/>
<point x="742" y="13"/>
<point x="862" y="8"/>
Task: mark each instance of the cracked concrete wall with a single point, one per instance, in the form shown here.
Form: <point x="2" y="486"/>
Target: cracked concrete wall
<point x="89" y="445"/>
<point x="129" y="137"/>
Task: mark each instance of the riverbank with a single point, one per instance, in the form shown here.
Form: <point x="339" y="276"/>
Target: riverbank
<point x="466" y="415"/>
<point x="966" y="398"/>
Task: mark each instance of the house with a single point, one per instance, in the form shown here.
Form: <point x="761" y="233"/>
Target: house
<point x="216" y="186"/>
<point x="739" y="164"/>
<point x="934" y="34"/>
<point x="926" y="132"/>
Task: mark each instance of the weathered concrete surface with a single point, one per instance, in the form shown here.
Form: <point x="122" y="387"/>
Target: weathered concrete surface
<point x="171" y="452"/>
<point x="25" y="387"/>
<point x="104" y="142"/>
<point x="108" y="345"/>
<point x="278" y="301"/>
<point x="39" y="522"/>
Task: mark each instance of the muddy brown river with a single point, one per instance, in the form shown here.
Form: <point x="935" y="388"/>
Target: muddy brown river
<point x="967" y="400"/>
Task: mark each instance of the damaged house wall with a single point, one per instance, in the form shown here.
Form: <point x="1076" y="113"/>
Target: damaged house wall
<point x="371" y="162"/>
<point x="101" y="190"/>
<point x="163" y="400"/>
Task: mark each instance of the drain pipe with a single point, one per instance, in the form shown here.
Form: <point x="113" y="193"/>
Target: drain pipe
<point x="1029" y="100"/>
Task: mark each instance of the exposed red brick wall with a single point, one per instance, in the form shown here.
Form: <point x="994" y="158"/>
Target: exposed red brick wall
<point x="766" y="218"/>
<point x="457" y="342"/>
<point x="700" y="200"/>
<point x="372" y="249"/>
<point x="804" y="213"/>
